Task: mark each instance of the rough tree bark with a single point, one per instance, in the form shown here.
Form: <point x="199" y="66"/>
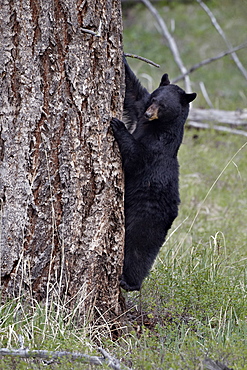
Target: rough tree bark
<point x="61" y="190"/>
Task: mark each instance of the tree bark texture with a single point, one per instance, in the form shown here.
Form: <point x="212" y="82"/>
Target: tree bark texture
<point x="61" y="188"/>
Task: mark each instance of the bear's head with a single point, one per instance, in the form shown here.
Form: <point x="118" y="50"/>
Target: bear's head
<point x="168" y="102"/>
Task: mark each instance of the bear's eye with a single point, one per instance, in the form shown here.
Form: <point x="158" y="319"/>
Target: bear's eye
<point x="164" y="105"/>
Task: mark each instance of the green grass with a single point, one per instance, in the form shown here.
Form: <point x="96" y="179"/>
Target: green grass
<point x="41" y="328"/>
<point x="193" y="305"/>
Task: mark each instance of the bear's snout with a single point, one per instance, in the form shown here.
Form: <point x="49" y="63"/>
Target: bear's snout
<point x="152" y="112"/>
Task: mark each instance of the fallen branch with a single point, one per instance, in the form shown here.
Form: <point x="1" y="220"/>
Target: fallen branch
<point x="43" y="354"/>
<point x="199" y="118"/>
<point x="209" y="60"/>
<point x="214" y="365"/>
<point x="142" y="58"/>
<point x="112" y="362"/>
<point x="238" y="117"/>
<point x="222" y="34"/>
<point x="217" y="128"/>
<point x="55" y="355"/>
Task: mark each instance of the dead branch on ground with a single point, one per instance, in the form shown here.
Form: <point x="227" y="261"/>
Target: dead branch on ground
<point x="71" y="356"/>
<point x="235" y="118"/>
<point x="209" y="118"/>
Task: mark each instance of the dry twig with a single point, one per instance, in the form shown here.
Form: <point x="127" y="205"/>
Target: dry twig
<point x="172" y="44"/>
<point x="112" y="362"/>
<point x="205" y="94"/>
<point x="142" y="58"/>
<point x="209" y="60"/>
<point x="222" y="34"/>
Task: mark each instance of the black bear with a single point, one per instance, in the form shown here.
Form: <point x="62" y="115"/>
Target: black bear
<point x="149" y="156"/>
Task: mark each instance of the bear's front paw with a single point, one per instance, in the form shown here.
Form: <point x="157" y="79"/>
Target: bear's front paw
<point x="117" y="125"/>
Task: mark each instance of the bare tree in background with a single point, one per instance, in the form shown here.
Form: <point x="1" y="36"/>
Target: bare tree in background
<point x="199" y="118"/>
<point x="61" y="192"/>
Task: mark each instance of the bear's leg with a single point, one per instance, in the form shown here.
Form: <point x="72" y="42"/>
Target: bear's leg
<point x="142" y="245"/>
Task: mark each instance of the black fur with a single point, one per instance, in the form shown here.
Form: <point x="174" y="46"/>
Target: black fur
<point x="150" y="164"/>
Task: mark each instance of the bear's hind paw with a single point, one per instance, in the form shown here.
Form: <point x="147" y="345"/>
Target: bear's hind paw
<point x="127" y="287"/>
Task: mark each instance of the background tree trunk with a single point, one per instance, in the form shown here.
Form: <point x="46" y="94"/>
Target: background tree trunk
<point x="61" y="191"/>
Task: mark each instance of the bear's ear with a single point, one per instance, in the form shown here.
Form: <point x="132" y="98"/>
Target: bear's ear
<point x="164" y="80"/>
<point x="187" y="98"/>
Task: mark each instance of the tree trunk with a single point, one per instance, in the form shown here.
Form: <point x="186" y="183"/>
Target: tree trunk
<point x="61" y="188"/>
